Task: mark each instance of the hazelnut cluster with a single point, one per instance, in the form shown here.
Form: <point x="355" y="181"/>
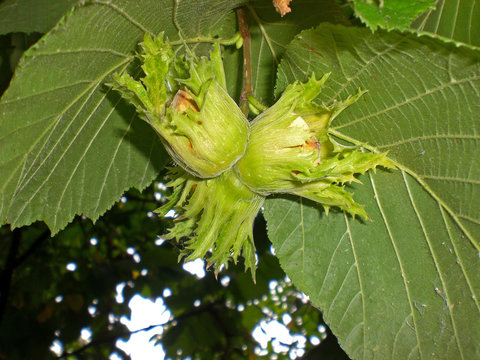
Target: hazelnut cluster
<point x="226" y="165"/>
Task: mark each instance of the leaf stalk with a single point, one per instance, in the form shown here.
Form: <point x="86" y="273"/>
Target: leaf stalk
<point x="247" y="61"/>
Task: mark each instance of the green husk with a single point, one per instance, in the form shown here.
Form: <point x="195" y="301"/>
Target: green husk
<point x="290" y="150"/>
<point x="183" y="97"/>
<point x="213" y="215"/>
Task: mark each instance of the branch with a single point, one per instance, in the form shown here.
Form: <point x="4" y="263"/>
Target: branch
<point x="140" y="199"/>
<point x="327" y="349"/>
<point x="7" y="272"/>
<point x="109" y="339"/>
<point x="247" y="60"/>
<point x="35" y="245"/>
<point x="114" y="337"/>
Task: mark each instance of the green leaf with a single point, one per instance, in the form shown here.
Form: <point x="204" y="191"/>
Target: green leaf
<point x="406" y="285"/>
<point x="391" y="14"/>
<point x="270" y="34"/>
<point x="453" y="19"/>
<point x="69" y="145"/>
<point x="31" y="15"/>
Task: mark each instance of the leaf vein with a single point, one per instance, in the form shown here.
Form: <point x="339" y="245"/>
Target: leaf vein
<point x="120" y="11"/>
<point x="466" y="217"/>
<point x="435" y="261"/>
<point x="43" y="92"/>
<point x="340" y="288"/>
<point x="80" y="51"/>
<point x="460" y="262"/>
<point x="408" y="101"/>
<point x="352" y="300"/>
<point x="120" y="141"/>
<point x="264" y="32"/>
<point x="331" y="257"/>
<point x="395" y="340"/>
<point x="283" y="219"/>
<point x="21" y="186"/>
<point x="402" y="270"/>
<point x="389" y="47"/>
<point x="98" y="82"/>
<point x="446" y="178"/>
<point x="429" y="137"/>
<point x="360" y="282"/>
<point x="421" y="182"/>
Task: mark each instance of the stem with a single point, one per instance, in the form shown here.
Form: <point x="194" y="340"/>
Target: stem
<point x="247" y="60"/>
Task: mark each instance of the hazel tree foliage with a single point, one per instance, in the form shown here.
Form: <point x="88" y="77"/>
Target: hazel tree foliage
<point x="298" y="147"/>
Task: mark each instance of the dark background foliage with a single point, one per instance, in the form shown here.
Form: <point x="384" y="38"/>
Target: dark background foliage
<point x="34" y="275"/>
